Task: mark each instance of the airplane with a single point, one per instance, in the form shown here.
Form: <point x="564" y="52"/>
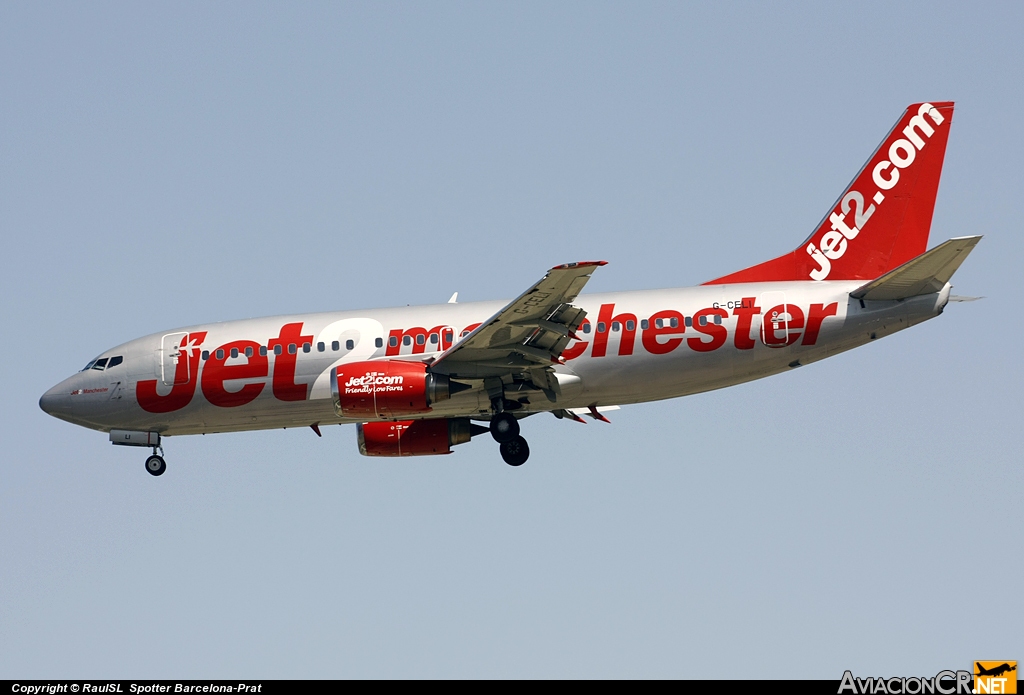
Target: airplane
<point x="421" y="380"/>
<point x="995" y="671"/>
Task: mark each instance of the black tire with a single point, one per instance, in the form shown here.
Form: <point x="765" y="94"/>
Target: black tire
<point x="155" y="465"/>
<point x="504" y="427"/>
<point x="515" y="451"/>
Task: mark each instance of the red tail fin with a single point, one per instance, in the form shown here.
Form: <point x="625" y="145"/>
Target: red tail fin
<point x="882" y="219"/>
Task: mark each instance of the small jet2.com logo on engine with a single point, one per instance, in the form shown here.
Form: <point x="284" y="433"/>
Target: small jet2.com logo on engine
<point x="989" y="677"/>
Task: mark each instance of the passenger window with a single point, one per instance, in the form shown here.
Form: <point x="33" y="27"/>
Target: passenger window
<point x="349" y="344"/>
<point x="292" y="348"/>
<point x="248" y="351"/>
<point x="674" y="322"/>
<point x="393" y="341"/>
<point x="420" y="339"/>
<point x="703" y="320"/>
<point x="220" y="354"/>
<point x="659" y="323"/>
<point x="234" y="352"/>
<point x="586" y="328"/>
<point x="448" y="335"/>
<point x="263" y="350"/>
<point x="206" y="355"/>
<point x="616" y="326"/>
<point x="278" y="350"/>
<point x="379" y="342"/>
<point x="645" y="324"/>
<point x="601" y="327"/>
<point x="100" y="364"/>
<point x="630" y="326"/>
<point x="114" y="361"/>
<point x="406" y="340"/>
<point x="335" y="345"/>
<point x="306" y="347"/>
<point x="320" y="347"/>
<point x="465" y="333"/>
<point x="689" y="321"/>
<point x="433" y="338"/>
<point x="718" y="319"/>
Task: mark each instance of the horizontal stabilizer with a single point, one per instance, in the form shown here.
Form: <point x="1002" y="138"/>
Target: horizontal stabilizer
<point x="925" y="274"/>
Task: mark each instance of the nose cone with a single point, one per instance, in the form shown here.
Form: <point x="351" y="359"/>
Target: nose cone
<point x="56" y="401"/>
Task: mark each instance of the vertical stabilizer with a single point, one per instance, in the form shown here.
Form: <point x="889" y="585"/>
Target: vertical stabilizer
<point x="882" y="219"/>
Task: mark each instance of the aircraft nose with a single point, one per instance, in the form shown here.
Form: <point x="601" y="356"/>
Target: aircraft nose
<point x="56" y="401"/>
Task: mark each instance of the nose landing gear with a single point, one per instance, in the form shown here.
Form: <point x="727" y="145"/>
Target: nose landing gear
<point x="155" y="464"/>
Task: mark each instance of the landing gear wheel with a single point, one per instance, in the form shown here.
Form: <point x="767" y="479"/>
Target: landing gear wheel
<point x="515" y="451"/>
<point x="155" y="465"/>
<point x="504" y="428"/>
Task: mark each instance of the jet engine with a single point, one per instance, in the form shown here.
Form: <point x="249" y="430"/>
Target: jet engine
<point x="388" y="389"/>
<point x="415" y="437"/>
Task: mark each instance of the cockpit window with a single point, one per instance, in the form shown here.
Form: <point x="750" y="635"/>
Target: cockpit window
<point x="114" y="361"/>
<point x="99" y="364"/>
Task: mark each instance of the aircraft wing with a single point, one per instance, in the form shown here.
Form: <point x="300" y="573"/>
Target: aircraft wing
<point x="529" y="333"/>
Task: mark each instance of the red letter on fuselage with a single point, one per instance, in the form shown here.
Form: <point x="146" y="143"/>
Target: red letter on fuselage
<point x="650" y="335"/>
<point x="215" y="373"/>
<point x="580" y="346"/>
<point x="718" y="332"/>
<point x="445" y="339"/>
<point x="414" y="334"/>
<point x="745" y="312"/>
<point x="285" y="388"/>
<point x="601" y="338"/>
<point x="186" y="374"/>
<point x="818" y="313"/>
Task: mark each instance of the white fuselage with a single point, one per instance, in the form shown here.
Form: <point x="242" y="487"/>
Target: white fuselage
<point x="635" y="346"/>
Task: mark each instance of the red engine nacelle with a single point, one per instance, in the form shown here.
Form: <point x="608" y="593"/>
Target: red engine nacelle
<point x="388" y="389"/>
<point x="415" y="437"/>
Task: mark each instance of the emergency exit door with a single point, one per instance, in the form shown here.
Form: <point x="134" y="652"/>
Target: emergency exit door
<point x="775" y="319"/>
<point x="174" y="363"/>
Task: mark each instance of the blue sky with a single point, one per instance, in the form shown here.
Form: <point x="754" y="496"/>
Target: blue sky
<point x="170" y="164"/>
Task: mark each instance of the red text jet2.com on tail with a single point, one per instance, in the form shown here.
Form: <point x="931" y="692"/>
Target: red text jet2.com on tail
<point x="420" y="380"/>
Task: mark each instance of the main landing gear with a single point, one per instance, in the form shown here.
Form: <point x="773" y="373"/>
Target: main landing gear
<point x="515" y="451"/>
<point x="155" y="464"/>
<point x="513" y="447"/>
